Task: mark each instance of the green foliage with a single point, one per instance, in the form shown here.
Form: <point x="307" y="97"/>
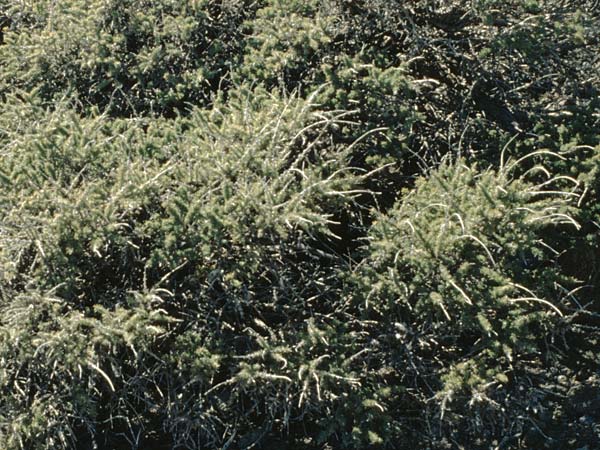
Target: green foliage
<point x="460" y="238"/>
<point x="126" y="56"/>
<point x="307" y="225"/>
<point x="219" y="230"/>
<point x="462" y="282"/>
<point x="320" y="45"/>
<point x="288" y="42"/>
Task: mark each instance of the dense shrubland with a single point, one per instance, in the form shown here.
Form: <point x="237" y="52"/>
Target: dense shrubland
<point x="306" y="225"/>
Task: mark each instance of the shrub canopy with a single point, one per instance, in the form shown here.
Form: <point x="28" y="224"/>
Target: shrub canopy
<point x="305" y="225"/>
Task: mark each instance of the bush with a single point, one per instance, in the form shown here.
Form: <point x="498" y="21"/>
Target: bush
<point x="130" y="57"/>
<point x="199" y="270"/>
<point x="461" y="279"/>
<point x="308" y="225"/>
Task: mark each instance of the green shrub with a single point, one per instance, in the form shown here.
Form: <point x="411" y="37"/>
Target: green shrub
<point x="202" y="269"/>
<point x="320" y="45"/>
<point x="307" y="225"/>
<point x="287" y="44"/>
<point x="127" y="56"/>
<point x="461" y="279"/>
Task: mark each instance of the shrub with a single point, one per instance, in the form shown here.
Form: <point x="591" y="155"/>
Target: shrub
<point x="181" y="292"/>
<point x="462" y="283"/>
<point x="131" y="57"/>
<point x="285" y="224"/>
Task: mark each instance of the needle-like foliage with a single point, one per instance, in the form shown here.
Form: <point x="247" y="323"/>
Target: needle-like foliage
<point x="284" y="224"/>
